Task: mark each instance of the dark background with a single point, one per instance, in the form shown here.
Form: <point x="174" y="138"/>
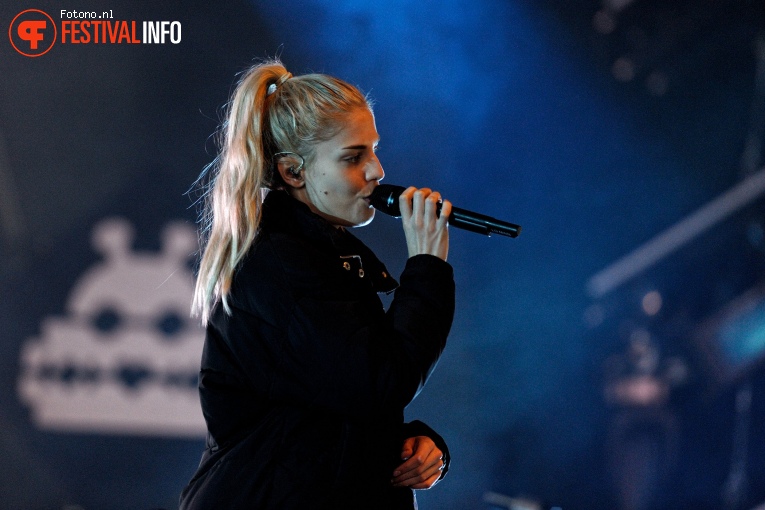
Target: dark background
<point x="594" y="125"/>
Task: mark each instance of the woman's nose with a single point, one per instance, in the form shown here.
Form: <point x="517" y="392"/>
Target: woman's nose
<point x="375" y="172"/>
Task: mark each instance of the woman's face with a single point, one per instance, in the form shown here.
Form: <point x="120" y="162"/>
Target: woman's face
<point x="343" y="173"/>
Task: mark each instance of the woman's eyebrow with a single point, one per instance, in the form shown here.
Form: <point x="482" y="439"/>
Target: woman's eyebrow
<point x="359" y="146"/>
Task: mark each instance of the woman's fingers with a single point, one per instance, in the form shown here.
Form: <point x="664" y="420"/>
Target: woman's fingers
<point x="425" y="229"/>
<point x="423" y="468"/>
<point x="412" y="201"/>
<point x="430" y="482"/>
<point x="421" y="476"/>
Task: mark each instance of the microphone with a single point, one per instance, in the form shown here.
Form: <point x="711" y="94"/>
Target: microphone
<point x="384" y="198"/>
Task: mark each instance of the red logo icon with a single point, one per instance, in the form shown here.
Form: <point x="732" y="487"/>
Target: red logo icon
<point x="32" y="33"/>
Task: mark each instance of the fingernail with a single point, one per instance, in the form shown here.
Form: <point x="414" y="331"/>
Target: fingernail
<point x="396" y="473"/>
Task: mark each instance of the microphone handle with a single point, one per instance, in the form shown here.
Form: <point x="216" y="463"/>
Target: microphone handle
<point x="480" y="223"/>
<point x="385" y="199"/>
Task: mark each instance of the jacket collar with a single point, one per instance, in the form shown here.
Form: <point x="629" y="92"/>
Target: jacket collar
<point x="282" y="213"/>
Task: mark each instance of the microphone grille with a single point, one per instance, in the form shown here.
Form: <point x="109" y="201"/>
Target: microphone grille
<point x="384" y="198"/>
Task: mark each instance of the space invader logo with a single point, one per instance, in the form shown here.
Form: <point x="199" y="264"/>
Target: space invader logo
<point x="124" y="359"/>
<point x="32" y="33"/>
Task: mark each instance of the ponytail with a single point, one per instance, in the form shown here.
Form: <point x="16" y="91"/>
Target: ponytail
<point x="269" y="112"/>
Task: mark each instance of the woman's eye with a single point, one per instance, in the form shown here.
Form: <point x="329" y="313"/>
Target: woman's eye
<point x="353" y="159"/>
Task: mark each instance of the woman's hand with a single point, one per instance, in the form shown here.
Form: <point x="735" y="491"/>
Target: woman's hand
<point x="426" y="233"/>
<point x="423" y="463"/>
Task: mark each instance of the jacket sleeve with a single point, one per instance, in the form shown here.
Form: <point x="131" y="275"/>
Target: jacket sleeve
<point x="356" y="359"/>
<point x="334" y="348"/>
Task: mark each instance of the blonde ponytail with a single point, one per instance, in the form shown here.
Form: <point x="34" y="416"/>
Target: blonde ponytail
<point x="268" y="112"/>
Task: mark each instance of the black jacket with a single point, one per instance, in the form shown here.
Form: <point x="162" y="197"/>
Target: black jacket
<point x="304" y="385"/>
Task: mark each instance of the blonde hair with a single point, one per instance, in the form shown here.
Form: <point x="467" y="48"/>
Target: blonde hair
<point x="270" y="111"/>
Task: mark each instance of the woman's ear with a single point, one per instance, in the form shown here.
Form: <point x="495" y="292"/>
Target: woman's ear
<point x="290" y="168"/>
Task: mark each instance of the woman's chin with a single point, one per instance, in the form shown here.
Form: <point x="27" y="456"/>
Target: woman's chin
<point x="367" y="218"/>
